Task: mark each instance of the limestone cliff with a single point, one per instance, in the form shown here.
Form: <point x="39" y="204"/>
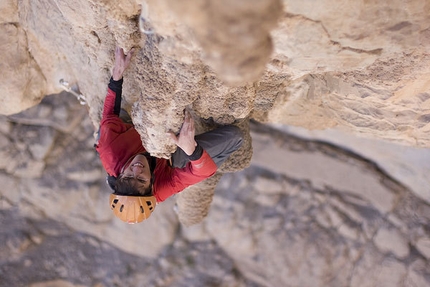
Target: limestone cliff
<point x="358" y="67"/>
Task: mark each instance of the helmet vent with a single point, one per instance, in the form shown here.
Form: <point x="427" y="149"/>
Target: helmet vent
<point x="121" y="208"/>
<point x="115" y="201"/>
<point x="149" y="205"/>
<point x="141" y="209"/>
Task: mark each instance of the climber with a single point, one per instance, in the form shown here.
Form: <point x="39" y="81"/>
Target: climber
<point x="140" y="181"/>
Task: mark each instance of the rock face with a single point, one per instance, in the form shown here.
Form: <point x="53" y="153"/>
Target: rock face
<point x="234" y="36"/>
<point x="304" y="214"/>
<point x="359" y="66"/>
<point x="23" y="82"/>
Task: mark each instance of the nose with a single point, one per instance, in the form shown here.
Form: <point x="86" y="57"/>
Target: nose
<point x="136" y="169"/>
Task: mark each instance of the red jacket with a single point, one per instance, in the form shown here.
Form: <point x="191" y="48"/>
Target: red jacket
<point x="119" y="142"/>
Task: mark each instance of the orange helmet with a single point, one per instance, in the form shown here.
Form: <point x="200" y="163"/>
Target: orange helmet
<point x="132" y="209"/>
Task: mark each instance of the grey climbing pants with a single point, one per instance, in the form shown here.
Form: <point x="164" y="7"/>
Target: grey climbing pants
<point x="219" y="143"/>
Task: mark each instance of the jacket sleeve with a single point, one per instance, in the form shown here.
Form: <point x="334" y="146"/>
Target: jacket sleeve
<point x="180" y="178"/>
<point x="112" y="104"/>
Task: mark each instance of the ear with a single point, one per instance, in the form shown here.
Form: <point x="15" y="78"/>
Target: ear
<point x="149" y="191"/>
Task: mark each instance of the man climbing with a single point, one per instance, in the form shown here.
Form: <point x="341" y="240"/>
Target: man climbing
<point x="140" y="181"/>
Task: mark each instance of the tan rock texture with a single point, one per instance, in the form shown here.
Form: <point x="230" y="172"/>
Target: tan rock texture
<point x="361" y="66"/>
<point x="304" y="214"/>
<point x="234" y="36"/>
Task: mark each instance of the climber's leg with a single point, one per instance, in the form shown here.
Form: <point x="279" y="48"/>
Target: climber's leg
<point x="219" y="143"/>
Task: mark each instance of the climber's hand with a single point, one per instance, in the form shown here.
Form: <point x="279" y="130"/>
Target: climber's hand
<point x="121" y="62"/>
<point x="185" y="139"/>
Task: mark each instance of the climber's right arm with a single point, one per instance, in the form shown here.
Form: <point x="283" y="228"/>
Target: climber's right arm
<point x="174" y="180"/>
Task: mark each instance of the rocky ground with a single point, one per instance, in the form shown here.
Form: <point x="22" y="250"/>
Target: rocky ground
<point x="305" y="213"/>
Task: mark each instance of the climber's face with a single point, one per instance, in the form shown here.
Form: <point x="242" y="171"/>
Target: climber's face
<point x="137" y="172"/>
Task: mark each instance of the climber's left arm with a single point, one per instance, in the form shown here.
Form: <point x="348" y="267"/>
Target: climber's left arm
<point x="112" y="104"/>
